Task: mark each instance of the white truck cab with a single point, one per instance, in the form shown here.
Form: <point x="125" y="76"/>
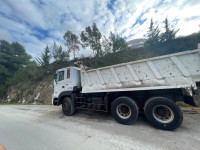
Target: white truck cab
<point x="65" y="80"/>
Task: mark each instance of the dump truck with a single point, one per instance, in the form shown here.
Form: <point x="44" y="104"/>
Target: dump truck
<point x="152" y="86"/>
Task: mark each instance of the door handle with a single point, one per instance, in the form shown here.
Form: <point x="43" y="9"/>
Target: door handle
<point x="63" y="86"/>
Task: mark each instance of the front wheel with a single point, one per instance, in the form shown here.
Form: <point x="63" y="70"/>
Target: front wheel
<point x="163" y="113"/>
<point x="124" y="110"/>
<point x="67" y="106"/>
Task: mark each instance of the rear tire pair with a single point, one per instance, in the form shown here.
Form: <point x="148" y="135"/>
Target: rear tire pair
<point x="161" y="112"/>
<point x="124" y="110"/>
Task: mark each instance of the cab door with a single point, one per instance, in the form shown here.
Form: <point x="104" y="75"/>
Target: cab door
<point x="68" y="80"/>
<point x="59" y="82"/>
<point x="63" y="81"/>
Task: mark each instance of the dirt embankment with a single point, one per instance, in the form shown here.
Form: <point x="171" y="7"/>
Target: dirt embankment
<point x="30" y="92"/>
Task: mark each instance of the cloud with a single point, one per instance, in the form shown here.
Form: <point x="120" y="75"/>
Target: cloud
<point x="35" y="24"/>
<point x="5" y="35"/>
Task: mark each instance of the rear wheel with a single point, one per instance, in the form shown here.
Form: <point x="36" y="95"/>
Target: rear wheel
<point x="67" y="106"/>
<point x="163" y="113"/>
<point x="124" y="110"/>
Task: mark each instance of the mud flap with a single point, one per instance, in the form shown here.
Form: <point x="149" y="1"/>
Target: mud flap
<point x="189" y="100"/>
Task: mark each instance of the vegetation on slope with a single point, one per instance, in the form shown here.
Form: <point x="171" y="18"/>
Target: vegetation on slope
<point x="17" y="68"/>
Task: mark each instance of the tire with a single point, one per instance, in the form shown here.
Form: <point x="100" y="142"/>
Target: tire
<point x="124" y="110"/>
<point x="67" y="106"/>
<point x="163" y="113"/>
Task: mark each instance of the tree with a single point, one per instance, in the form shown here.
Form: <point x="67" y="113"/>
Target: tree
<point x="118" y="43"/>
<point x="114" y="43"/>
<point x="153" y="32"/>
<point x="13" y="56"/>
<point x="59" y="54"/>
<point x="44" y="60"/>
<point x="4" y="74"/>
<point x="169" y="34"/>
<point x="72" y="42"/>
<point x="107" y="45"/>
<point x="168" y="43"/>
<point x="91" y="38"/>
<point x="153" y="37"/>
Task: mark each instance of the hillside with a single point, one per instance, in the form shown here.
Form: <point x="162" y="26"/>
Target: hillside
<point x="35" y="83"/>
<point x="29" y="92"/>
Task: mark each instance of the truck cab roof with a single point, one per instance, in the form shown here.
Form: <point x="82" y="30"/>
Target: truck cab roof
<point x="71" y="67"/>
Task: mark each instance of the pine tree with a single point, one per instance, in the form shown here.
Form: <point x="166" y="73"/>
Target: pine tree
<point x="153" y="37"/>
<point x="168" y="43"/>
<point x="44" y="60"/>
<point x="13" y="57"/>
<point x="153" y="34"/>
<point x="169" y="34"/>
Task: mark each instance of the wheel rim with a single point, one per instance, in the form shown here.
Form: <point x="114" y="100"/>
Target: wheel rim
<point x="163" y="114"/>
<point x="66" y="106"/>
<point x="123" y="111"/>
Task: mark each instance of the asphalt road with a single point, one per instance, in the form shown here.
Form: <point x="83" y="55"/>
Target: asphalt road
<point x="36" y="127"/>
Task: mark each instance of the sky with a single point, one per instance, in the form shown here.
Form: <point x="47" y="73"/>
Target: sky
<point x="36" y="23"/>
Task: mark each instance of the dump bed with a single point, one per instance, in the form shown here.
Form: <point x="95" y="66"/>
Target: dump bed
<point x="178" y="70"/>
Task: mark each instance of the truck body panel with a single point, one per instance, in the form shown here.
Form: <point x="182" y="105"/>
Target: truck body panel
<point x="179" y="70"/>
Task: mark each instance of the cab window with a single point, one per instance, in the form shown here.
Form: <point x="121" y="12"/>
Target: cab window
<point x="68" y="73"/>
<point x="61" y="76"/>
